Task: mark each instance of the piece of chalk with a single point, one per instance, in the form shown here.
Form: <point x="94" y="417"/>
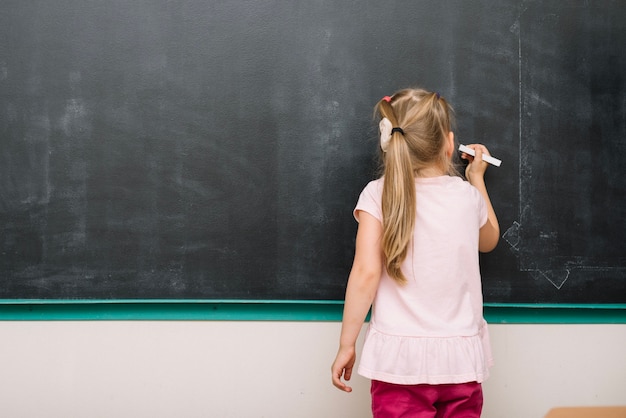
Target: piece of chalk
<point x="488" y="158"/>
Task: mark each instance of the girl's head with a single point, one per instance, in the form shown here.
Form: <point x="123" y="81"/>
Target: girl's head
<point x="426" y="121"/>
<point x="422" y="146"/>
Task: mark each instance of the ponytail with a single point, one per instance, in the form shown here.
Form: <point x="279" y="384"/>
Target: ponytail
<point x="398" y="200"/>
<point x="424" y="120"/>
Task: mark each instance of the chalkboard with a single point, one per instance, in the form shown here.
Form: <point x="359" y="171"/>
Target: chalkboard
<point x="191" y="149"/>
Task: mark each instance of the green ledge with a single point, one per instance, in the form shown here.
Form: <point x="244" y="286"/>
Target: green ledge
<point x="278" y="310"/>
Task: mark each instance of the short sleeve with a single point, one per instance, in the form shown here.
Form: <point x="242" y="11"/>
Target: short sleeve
<point x="370" y="201"/>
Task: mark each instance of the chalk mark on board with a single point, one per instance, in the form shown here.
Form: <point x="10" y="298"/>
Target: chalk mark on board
<point x="557" y="277"/>
<point x="556" y="269"/>
<point x="512" y="237"/>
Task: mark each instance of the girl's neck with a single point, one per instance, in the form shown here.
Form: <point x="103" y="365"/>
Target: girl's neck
<point x="430" y="172"/>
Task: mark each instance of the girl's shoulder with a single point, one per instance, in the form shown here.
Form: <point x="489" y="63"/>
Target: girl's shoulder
<point x="460" y="183"/>
<point x="370" y="199"/>
<point x="450" y="187"/>
<point x="374" y="187"/>
<point x="462" y="187"/>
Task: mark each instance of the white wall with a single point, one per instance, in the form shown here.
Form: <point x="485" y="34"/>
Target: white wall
<point x="273" y="369"/>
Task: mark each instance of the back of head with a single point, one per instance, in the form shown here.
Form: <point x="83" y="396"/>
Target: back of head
<point x="426" y="119"/>
<point x="419" y="147"/>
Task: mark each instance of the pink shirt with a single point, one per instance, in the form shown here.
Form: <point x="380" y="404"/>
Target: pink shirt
<point x="431" y="330"/>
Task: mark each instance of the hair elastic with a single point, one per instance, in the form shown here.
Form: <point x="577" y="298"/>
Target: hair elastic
<point x="438" y="95"/>
<point x="387" y="99"/>
<point x="397" y="130"/>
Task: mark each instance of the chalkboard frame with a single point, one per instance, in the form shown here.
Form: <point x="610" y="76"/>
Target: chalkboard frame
<point x="279" y="310"/>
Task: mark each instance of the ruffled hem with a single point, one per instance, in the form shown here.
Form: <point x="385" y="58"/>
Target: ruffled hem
<point x="426" y="360"/>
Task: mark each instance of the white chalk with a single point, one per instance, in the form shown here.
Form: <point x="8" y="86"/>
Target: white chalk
<point x="488" y="158"/>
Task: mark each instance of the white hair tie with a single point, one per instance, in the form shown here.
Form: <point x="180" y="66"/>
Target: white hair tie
<point x="385" y="133"/>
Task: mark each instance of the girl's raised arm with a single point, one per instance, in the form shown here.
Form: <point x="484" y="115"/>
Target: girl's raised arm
<point x="475" y="174"/>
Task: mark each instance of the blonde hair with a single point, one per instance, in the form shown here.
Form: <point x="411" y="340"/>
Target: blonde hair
<point x="426" y="120"/>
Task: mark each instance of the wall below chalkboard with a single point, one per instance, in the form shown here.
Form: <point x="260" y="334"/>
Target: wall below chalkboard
<point x="188" y="150"/>
<point x="166" y="369"/>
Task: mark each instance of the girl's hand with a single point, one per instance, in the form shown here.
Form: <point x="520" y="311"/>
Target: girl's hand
<point x="476" y="168"/>
<point x="344" y="362"/>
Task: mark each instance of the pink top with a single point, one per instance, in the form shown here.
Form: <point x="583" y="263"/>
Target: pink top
<point x="431" y="330"/>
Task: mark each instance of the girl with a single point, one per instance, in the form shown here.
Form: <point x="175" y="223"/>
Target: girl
<point x="416" y="264"/>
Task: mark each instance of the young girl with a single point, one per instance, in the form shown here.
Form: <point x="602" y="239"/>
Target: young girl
<point x="416" y="264"/>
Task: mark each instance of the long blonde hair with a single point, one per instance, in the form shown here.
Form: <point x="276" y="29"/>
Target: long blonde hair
<point x="426" y="120"/>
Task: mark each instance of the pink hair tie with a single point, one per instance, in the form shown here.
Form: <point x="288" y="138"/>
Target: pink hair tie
<point x="387" y="99"/>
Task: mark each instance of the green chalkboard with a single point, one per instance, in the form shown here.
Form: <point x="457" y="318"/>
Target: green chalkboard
<point x="186" y="150"/>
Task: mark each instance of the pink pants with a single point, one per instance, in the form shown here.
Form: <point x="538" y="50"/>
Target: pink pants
<point x="463" y="400"/>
